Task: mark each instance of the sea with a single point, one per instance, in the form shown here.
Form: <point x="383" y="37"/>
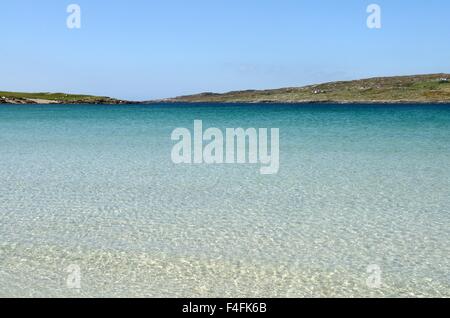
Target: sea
<point x="92" y="204"/>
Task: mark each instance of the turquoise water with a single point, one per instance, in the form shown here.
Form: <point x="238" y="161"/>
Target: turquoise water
<point x="95" y="187"/>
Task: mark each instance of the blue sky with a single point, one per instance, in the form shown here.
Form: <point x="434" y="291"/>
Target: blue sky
<point x="144" y="49"/>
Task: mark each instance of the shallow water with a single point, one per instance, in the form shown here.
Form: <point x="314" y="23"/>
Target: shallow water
<point x="95" y="187"/>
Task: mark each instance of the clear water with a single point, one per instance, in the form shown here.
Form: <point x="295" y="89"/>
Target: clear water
<point x="94" y="186"/>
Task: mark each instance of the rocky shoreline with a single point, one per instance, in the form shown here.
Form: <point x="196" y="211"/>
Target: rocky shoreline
<point x="35" y="101"/>
<point x="301" y="102"/>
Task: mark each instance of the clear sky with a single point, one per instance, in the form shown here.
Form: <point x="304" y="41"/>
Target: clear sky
<point x="145" y="49"/>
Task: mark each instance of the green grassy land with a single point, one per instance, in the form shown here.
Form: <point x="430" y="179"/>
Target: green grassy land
<point x="59" y="97"/>
<point x="434" y="88"/>
<point x="420" y="88"/>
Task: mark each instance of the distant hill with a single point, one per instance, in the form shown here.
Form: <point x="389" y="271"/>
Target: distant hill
<point x="55" y="98"/>
<point x="434" y="88"/>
